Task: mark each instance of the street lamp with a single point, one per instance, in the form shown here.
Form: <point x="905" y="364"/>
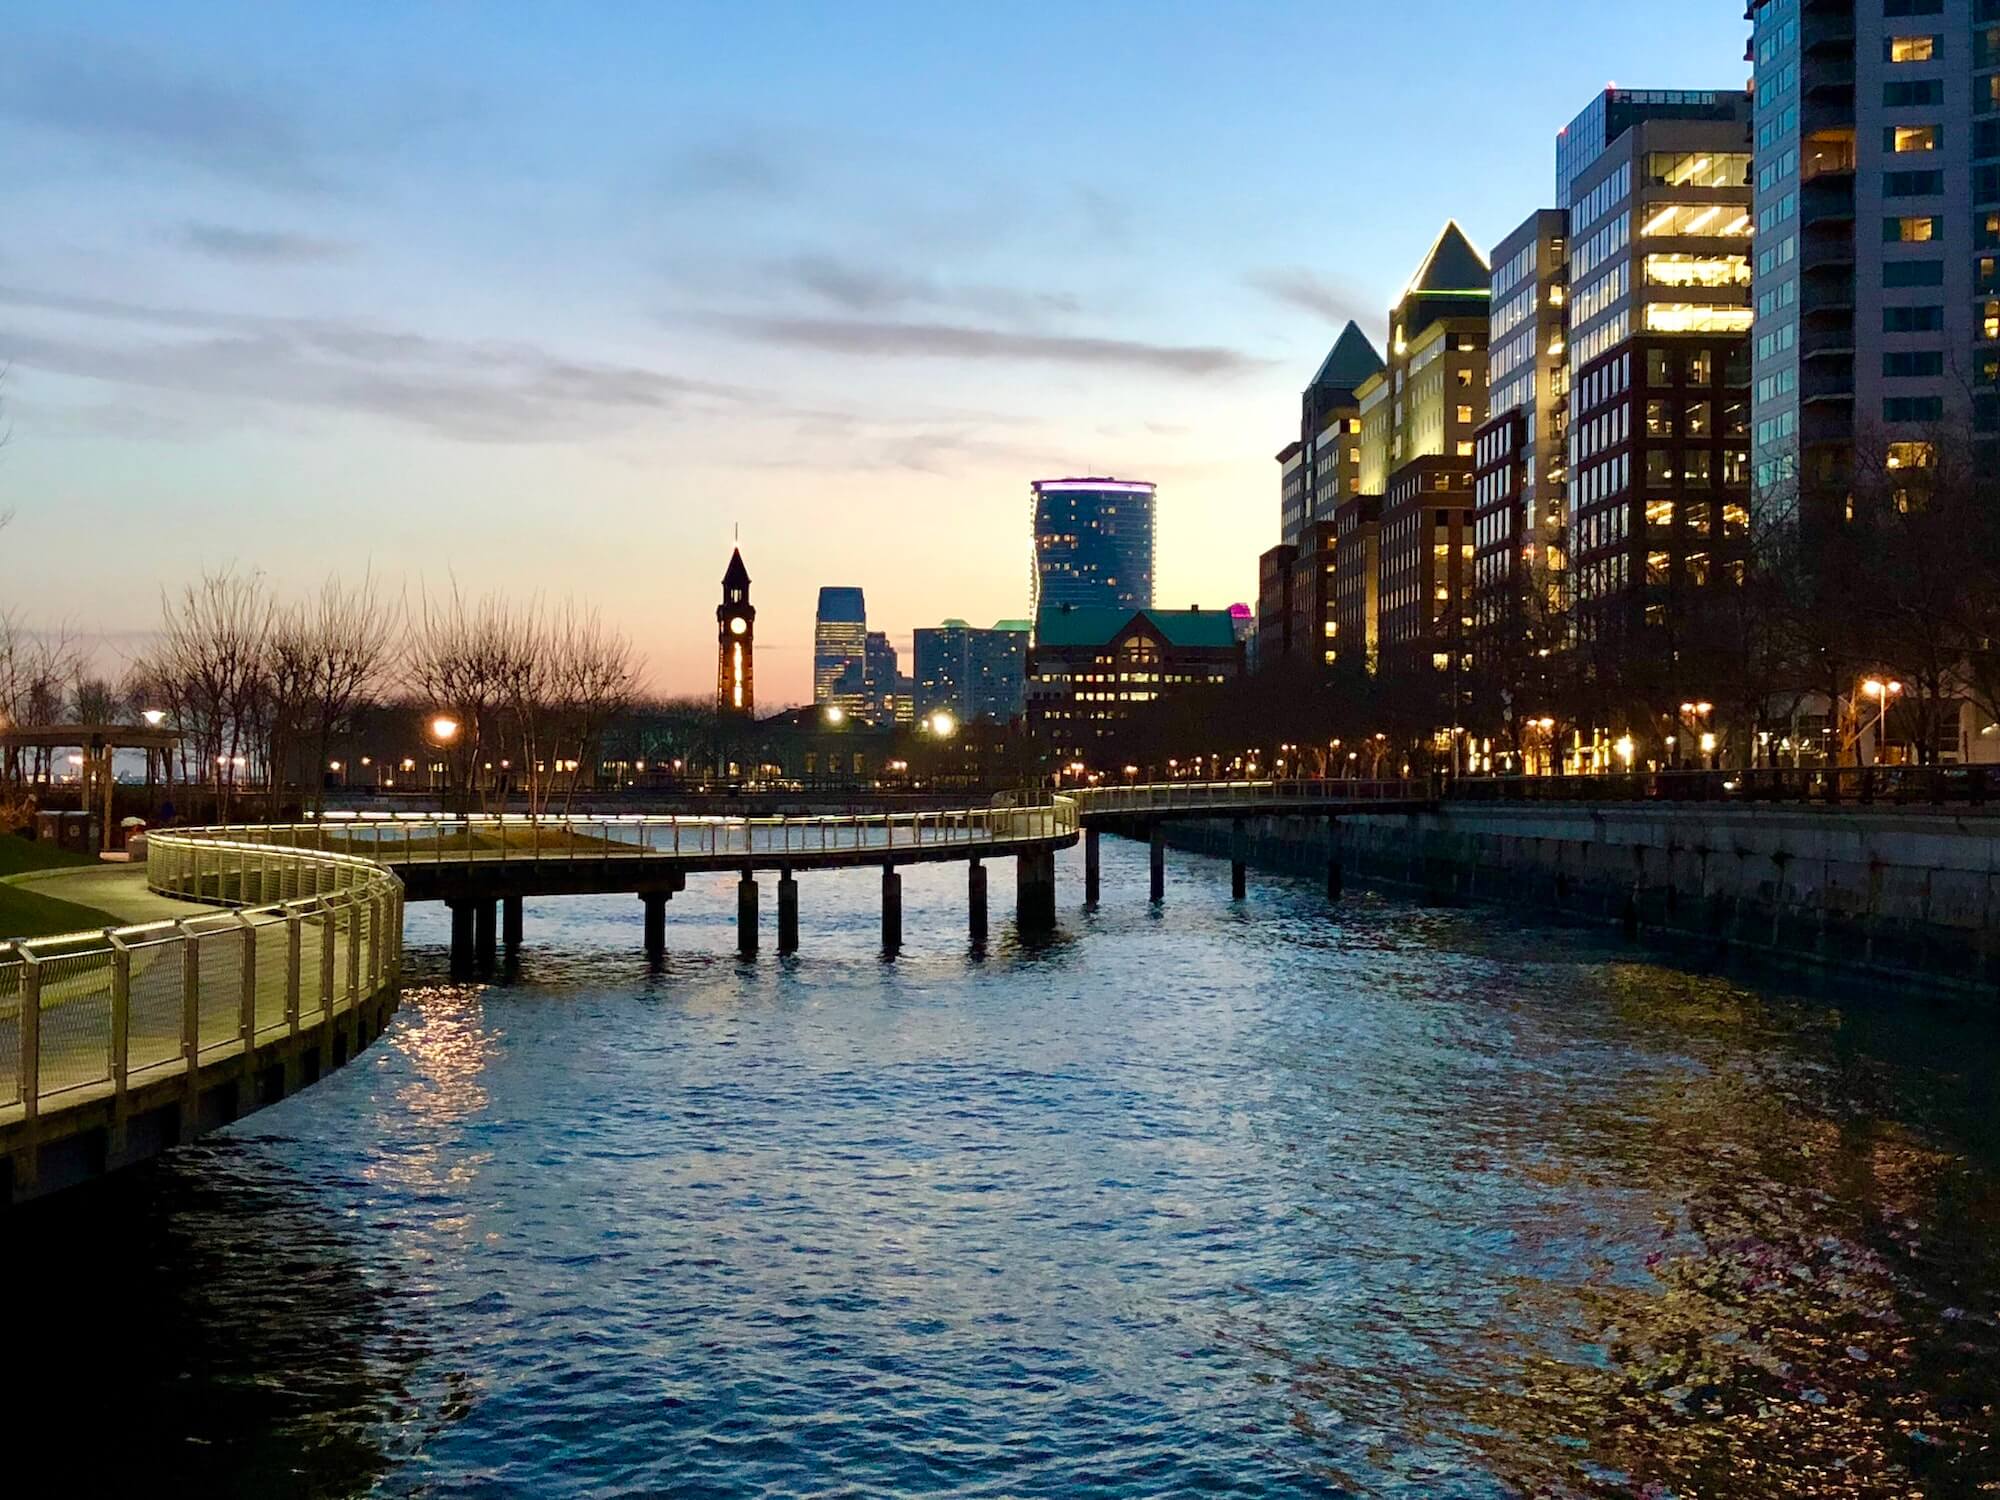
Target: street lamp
<point x="154" y="717"/>
<point x="943" y="725"/>
<point x="444" y="729"/>
<point x="835" y="715"/>
<point x="1626" y="749"/>
<point x="1882" y="692"/>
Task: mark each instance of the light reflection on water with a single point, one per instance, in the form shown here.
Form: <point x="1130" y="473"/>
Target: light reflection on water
<point x="1253" y="1200"/>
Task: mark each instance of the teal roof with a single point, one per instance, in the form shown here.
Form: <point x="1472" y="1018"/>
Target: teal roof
<point x="1099" y="625"/>
<point x="1024" y="626"/>
<point x="1351" y="360"/>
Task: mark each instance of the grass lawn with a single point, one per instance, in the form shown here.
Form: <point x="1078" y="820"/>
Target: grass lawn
<point x="18" y="855"/>
<point x="26" y="912"/>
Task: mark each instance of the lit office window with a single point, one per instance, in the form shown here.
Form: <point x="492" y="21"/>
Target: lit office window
<point x="1681" y="269"/>
<point x="1721" y="219"/>
<point x="1901" y="138"/>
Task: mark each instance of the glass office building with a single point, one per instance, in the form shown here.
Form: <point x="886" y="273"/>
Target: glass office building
<point x="1093" y="543"/>
<point x="972" y="673"/>
<point x="840" y="649"/>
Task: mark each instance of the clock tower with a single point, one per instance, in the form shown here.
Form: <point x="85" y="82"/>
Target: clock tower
<point x="735" y="631"/>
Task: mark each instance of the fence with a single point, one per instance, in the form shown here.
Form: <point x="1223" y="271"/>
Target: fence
<point x="1169" y="796"/>
<point x="310" y="936"/>
<point x="401" y="840"/>
<point x="1938" y="786"/>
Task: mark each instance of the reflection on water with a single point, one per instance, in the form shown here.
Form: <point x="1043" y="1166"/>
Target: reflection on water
<point x="1255" y="1199"/>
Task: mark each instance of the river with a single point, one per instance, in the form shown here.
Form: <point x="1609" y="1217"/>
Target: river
<point x="1253" y="1199"/>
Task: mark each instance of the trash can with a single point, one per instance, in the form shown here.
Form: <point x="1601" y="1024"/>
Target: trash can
<point x="79" y="832"/>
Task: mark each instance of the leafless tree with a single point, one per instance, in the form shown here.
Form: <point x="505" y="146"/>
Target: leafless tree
<point x="460" y="657"/>
<point x="214" y="642"/>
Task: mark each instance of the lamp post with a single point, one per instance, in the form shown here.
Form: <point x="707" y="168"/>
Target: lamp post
<point x="1883" y="693"/>
<point x="444" y="730"/>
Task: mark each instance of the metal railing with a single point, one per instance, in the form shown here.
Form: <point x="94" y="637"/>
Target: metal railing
<point x="404" y="840"/>
<point x="310" y="936"/>
<point x="1860" y="786"/>
<point x="1173" y="796"/>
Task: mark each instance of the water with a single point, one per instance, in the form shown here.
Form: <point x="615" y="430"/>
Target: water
<point x="1250" y="1200"/>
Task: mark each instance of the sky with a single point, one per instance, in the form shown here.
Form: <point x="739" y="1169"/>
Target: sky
<point x="553" y="299"/>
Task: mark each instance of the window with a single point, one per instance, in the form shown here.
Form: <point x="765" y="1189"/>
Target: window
<point x="1724" y="220"/>
<point x="1911" y="455"/>
<point x="1464" y="376"/>
<point x="1697" y="568"/>
<point x="1893" y="8"/>
<point x="1912" y="408"/>
<point x="1701" y="363"/>
<point x="1910" y="364"/>
<point x="1735" y="520"/>
<point x="1913" y="273"/>
<point x="1912" y="231"/>
<point x="1659" y="468"/>
<point x="1680" y="269"/>
<point x="1905" y="49"/>
<point x="1698" y="424"/>
<point x="1660" y="514"/>
<point x="1912" y="319"/>
<point x="1465" y="414"/>
<point x="1912" y="184"/>
<point x="1916" y="91"/>
<point x="1660" y="367"/>
<point x="1659" y="419"/>
<point x="1703" y="169"/>
<point x="1697" y="517"/>
<point x="1900" y="138"/>
<point x="1695" y="467"/>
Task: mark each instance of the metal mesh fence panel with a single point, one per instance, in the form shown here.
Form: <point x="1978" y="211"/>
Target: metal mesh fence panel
<point x="155" y="1004"/>
<point x="76" y="1021"/>
<point x="219" y="955"/>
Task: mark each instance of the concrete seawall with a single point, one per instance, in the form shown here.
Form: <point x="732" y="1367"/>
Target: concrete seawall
<point x="1907" y="896"/>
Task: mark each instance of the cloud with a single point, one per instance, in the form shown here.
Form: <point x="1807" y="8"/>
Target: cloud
<point x="895" y="340"/>
<point x="270" y="247"/>
<point x="739" y="167"/>
<point x="472" y="391"/>
<point x="116" y="97"/>
<point x="877" y="288"/>
<point x="1300" y="288"/>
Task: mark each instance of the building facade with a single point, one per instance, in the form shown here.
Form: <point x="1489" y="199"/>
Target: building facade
<point x="1090" y="667"/>
<point x="970" y="673"/>
<point x="735" y="643"/>
<point x="1660" y="237"/>
<point x="840" y="649"/>
<point x="1093" y="543"/>
<point x="1436" y="404"/>
<point x="1274" y="606"/>
<point x="1877" y="203"/>
<point x="1315" y="624"/>
<point x="1520" y="454"/>
<point x="1357" y="574"/>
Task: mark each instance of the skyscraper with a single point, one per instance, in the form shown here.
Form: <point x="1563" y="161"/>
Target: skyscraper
<point x="840" y="649"/>
<point x="1093" y="543"/>
<point x="1878" y="224"/>
<point x="971" y="673"/>
<point x="735" y="637"/>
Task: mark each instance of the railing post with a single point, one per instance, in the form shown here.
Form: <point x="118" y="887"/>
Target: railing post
<point x="327" y="937"/>
<point x="295" y="922"/>
<point x="30" y="1029"/>
<point x="246" y="1019"/>
<point x="354" y="952"/>
<point x="190" y="1000"/>
<point x="121" y="1012"/>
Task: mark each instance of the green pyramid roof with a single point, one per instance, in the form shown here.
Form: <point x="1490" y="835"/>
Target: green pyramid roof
<point x="1351" y="360"/>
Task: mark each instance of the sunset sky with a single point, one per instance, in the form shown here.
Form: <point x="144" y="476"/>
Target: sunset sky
<point x="551" y="298"/>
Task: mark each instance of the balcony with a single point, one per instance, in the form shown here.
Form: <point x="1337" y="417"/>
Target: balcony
<point x="1827" y="199"/>
<point x="1827" y="34"/>
<point x="1830" y="382"/>
<point x="1826" y="341"/>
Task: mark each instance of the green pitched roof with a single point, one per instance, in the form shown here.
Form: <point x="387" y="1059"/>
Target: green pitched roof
<point x="1023" y="626"/>
<point x="1099" y="625"/>
<point x="1351" y="360"/>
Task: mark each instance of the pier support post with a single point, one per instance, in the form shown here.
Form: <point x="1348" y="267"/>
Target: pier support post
<point x="975" y="902"/>
<point x="486" y="930"/>
<point x="656" y="922"/>
<point x="461" y="936"/>
<point x="1158" y="840"/>
<point x="1090" y="867"/>
<point x="788" y="912"/>
<point x="1239" y="850"/>
<point x="892" y="911"/>
<point x="746" y="915"/>
<point x="510" y="923"/>
<point x="1035" y="890"/>
<point x="1333" y="872"/>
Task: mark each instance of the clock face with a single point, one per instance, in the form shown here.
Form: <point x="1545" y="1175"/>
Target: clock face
<point x="737" y="624"/>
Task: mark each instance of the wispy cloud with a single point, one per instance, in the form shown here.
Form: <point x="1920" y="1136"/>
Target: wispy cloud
<point x="746" y="166"/>
<point x="113" y="96"/>
<point x="897" y="340"/>
<point x="1295" y="287"/>
<point x="470" y="390"/>
<point x="271" y="247"/>
<point x="878" y="288"/>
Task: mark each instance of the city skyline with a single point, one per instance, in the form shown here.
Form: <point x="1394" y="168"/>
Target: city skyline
<point x="295" y="276"/>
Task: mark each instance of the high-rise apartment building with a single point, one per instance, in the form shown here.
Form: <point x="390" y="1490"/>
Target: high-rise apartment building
<point x="1093" y="543"/>
<point x="1427" y="411"/>
<point x="973" y="674"/>
<point x="1660" y="236"/>
<point x="1357" y="578"/>
<point x="1877" y="209"/>
<point x="882" y="679"/>
<point x="840" y="649"/>
<point x="1520" y="454"/>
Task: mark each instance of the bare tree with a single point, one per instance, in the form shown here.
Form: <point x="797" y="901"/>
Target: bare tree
<point x="459" y="663"/>
<point x="213" y="644"/>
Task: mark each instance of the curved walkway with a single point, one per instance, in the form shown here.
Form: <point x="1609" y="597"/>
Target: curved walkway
<point x="116" y="1045"/>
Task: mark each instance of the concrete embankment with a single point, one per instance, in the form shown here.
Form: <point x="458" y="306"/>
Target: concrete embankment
<point x="1908" y="896"/>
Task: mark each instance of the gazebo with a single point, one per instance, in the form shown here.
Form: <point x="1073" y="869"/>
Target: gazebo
<point x="95" y="744"/>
